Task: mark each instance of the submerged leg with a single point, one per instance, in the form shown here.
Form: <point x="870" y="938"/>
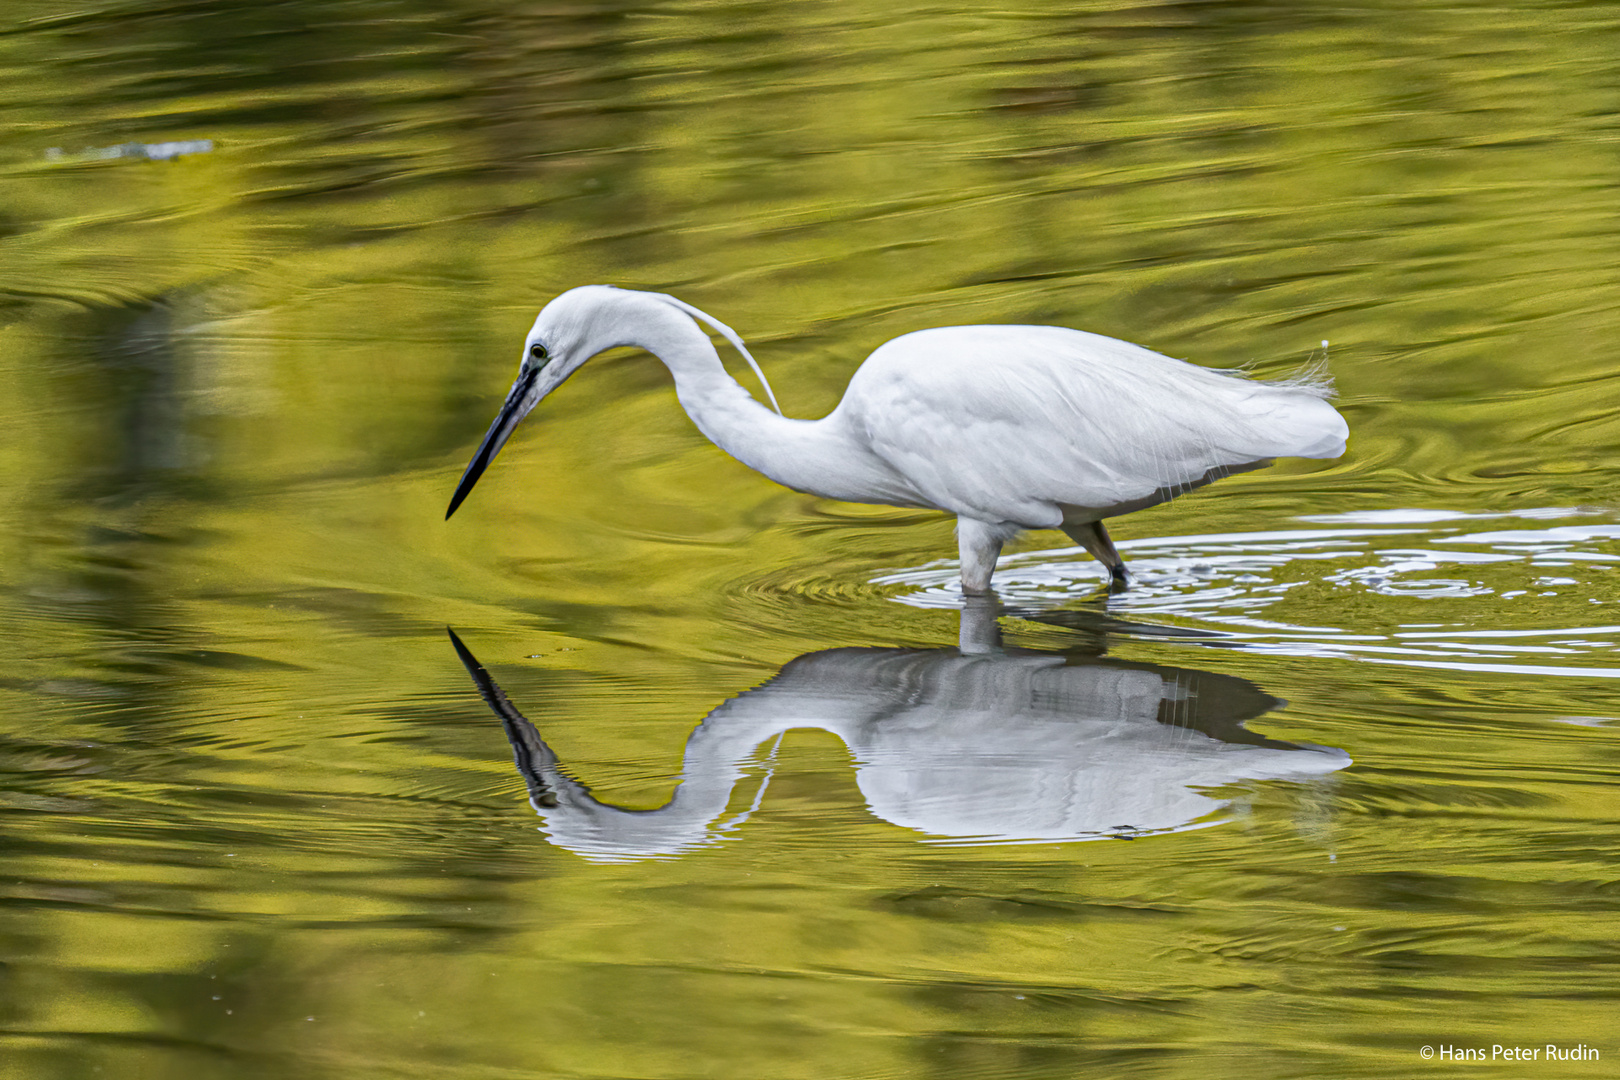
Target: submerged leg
<point x="1093" y="536"/>
<point x="979" y="544"/>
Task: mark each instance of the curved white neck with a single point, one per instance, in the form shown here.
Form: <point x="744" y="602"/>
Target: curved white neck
<point x="814" y="456"/>
<point x="721" y="407"/>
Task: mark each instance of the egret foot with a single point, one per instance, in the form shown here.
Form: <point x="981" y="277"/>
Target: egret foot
<point x="1093" y="536"/>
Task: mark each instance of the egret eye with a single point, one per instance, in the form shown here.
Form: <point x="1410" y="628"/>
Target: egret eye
<point x="537" y="353"/>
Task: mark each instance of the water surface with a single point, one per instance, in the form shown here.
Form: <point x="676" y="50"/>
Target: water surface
<point x="1332" y="783"/>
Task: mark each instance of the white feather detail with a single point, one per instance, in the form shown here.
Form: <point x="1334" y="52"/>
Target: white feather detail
<point x="1042" y="425"/>
<point x="730" y="335"/>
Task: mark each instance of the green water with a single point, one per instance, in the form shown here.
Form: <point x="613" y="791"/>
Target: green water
<point x="1334" y="782"/>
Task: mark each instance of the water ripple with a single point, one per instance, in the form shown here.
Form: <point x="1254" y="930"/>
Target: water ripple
<point x="1422" y="588"/>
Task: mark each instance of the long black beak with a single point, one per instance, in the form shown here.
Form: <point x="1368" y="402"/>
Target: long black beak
<point x="505" y="423"/>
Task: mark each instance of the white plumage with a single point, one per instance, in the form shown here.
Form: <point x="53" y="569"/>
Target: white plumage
<point x="1007" y="427"/>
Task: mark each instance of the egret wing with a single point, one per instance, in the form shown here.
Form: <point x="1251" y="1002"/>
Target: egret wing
<point x="1038" y="425"/>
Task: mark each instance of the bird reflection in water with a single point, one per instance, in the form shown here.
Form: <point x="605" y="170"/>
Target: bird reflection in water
<point x="976" y="744"/>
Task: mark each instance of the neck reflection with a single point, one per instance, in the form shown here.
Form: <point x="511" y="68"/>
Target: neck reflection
<point x="976" y="744"/>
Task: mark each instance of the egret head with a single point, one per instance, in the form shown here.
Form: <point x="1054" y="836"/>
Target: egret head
<point x="569" y="331"/>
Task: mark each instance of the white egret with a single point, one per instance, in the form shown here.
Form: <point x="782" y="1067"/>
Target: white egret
<point x="1007" y="427"/>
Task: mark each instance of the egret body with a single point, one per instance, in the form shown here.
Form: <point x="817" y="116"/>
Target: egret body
<point x="1007" y="427"/>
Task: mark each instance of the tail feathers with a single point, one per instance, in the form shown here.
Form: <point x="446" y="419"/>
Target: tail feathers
<point x="1312" y="379"/>
<point x="1302" y="424"/>
<point x="1245" y="419"/>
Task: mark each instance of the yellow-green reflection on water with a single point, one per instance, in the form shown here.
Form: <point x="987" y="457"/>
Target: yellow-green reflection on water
<point x="258" y="821"/>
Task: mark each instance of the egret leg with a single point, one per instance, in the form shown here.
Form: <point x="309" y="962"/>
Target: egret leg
<point x="979" y="544"/>
<point x="1093" y="536"/>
